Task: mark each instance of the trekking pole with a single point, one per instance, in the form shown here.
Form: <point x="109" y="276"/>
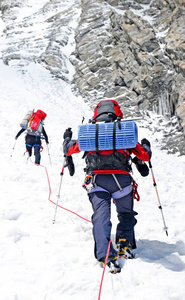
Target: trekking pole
<point x="58" y="196"/>
<point x="160" y="206"/>
<point x="13" y="148"/>
<point x="48" y="154"/>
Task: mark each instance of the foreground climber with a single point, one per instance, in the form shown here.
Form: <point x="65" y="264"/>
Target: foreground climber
<point x="108" y="177"/>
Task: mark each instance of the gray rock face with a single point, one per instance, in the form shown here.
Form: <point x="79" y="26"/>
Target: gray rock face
<point x="43" y="43"/>
<point x="133" y="52"/>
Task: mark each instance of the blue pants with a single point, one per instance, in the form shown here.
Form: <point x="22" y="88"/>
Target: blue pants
<point x="33" y="141"/>
<point x="101" y="204"/>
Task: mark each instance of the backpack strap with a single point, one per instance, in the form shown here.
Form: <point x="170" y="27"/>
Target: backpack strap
<point x="31" y="119"/>
<point x="84" y="155"/>
<point x="97" y="149"/>
<point x="114" y="137"/>
<point x="114" y="133"/>
<point x="119" y="122"/>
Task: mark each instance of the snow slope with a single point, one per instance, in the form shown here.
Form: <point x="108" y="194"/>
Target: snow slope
<point x="44" y="261"/>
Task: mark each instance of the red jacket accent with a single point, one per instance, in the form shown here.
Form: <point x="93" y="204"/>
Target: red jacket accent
<point x="74" y="149"/>
<point x="110" y="172"/>
<point x="138" y="151"/>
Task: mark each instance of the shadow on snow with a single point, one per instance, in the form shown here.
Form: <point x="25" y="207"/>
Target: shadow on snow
<point x="162" y="253"/>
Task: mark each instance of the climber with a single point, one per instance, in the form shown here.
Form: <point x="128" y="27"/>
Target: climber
<point x="33" y="124"/>
<point x="108" y="177"/>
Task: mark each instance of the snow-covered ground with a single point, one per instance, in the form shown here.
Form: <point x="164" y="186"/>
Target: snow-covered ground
<point x="44" y="261"/>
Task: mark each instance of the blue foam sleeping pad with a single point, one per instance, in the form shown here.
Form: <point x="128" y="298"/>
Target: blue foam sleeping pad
<point x="125" y="138"/>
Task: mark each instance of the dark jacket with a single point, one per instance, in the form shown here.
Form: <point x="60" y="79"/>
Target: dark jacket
<point x="43" y="132"/>
<point x="107" y="162"/>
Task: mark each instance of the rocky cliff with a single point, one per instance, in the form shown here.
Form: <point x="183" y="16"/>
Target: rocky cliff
<point x="131" y="51"/>
<point x="134" y="51"/>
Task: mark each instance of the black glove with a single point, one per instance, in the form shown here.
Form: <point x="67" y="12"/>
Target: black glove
<point x="67" y="133"/>
<point x="145" y="142"/>
<point x="141" y="166"/>
<point x="146" y="145"/>
<point x="69" y="163"/>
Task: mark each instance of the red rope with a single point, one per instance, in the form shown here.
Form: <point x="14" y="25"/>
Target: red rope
<point x="104" y="269"/>
<point x="50" y="193"/>
<point x="108" y="250"/>
<point x="70" y="211"/>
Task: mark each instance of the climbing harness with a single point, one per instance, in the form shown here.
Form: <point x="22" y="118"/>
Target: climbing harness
<point x="89" y="183"/>
<point x="35" y="145"/>
<point x="135" y="192"/>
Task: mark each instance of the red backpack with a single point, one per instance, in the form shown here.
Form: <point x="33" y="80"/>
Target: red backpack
<point x="35" y="123"/>
<point x="107" y="111"/>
